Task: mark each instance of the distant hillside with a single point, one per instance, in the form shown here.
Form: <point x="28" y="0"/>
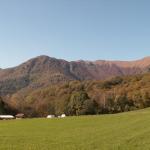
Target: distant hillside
<point x="115" y="95"/>
<point x="43" y="71"/>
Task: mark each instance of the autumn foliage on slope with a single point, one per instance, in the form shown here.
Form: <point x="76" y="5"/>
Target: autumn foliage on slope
<point x="118" y="94"/>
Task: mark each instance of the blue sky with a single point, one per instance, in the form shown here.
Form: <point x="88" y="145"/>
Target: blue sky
<point x="73" y="29"/>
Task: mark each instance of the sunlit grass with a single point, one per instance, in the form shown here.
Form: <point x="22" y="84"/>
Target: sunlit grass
<point x="126" y="131"/>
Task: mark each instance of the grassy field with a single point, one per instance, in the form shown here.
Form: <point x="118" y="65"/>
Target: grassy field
<point x="126" y="131"/>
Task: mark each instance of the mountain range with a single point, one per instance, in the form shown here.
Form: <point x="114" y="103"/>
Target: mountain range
<point x="44" y="70"/>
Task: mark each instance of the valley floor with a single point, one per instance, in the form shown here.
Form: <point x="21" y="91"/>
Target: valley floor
<point x="125" y="131"/>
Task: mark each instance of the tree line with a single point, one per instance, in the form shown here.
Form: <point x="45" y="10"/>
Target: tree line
<point x="115" y="95"/>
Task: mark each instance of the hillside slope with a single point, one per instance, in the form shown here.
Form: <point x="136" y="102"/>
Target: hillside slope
<point x="115" y="95"/>
<point x="43" y="71"/>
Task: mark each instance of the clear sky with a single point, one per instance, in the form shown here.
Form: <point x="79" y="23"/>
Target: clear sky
<point x="73" y="29"/>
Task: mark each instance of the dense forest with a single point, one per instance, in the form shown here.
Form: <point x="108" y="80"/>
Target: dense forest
<point x="118" y="94"/>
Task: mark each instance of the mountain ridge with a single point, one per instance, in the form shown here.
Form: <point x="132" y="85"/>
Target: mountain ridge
<point x="44" y="70"/>
<point x="144" y="60"/>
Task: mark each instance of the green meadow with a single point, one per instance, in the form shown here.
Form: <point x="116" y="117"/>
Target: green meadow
<point x="125" y="131"/>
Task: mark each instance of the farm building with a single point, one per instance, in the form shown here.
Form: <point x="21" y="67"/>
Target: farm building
<point x="50" y="116"/>
<point x="63" y="116"/>
<point x="6" y="117"/>
<point x="20" y="116"/>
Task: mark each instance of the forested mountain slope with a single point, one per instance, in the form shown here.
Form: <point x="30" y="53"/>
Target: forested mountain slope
<point x="43" y="71"/>
<point x="115" y="95"/>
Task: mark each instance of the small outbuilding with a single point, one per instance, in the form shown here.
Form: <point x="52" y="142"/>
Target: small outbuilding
<point x="63" y="116"/>
<point x="50" y="116"/>
<point x="6" y="117"/>
<point x="20" y="116"/>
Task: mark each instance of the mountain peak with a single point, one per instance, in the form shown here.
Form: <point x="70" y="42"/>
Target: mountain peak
<point x="41" y="57"/>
